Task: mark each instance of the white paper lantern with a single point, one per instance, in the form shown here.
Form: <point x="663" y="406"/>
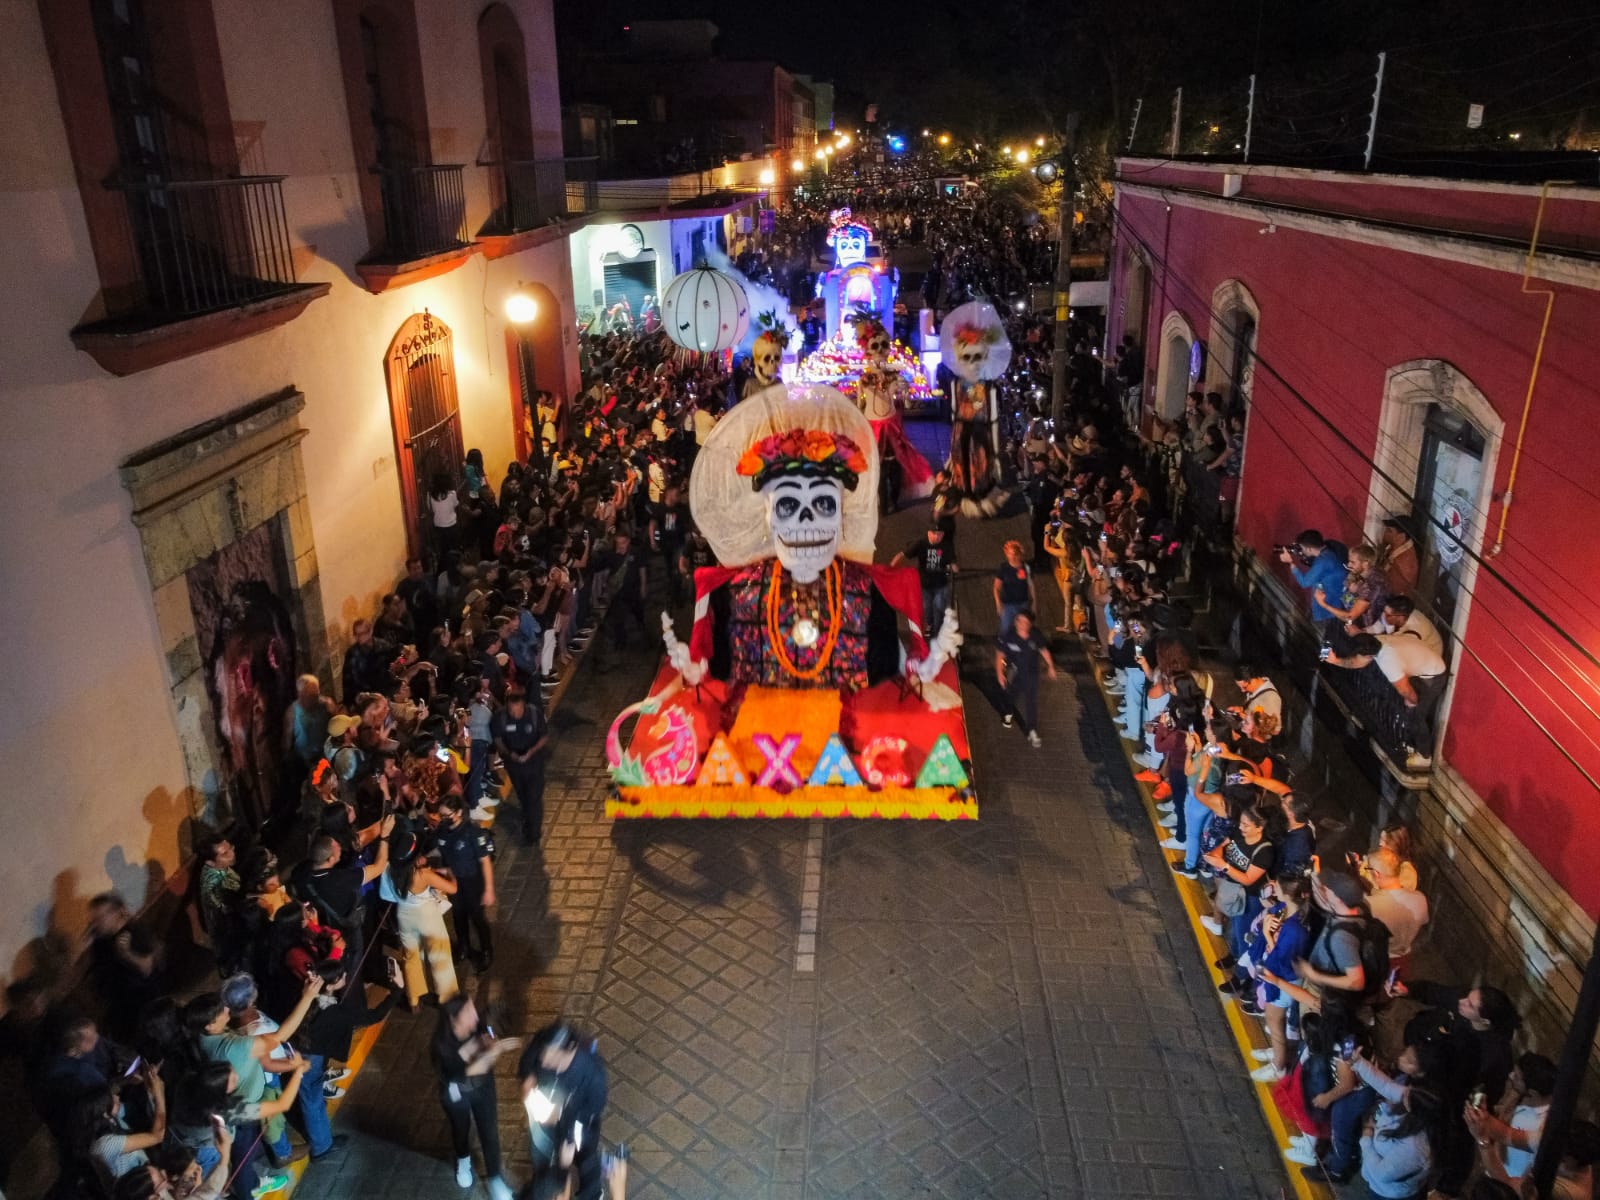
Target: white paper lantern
<point x="706" y="310"/>
<point x="973" y="342"/>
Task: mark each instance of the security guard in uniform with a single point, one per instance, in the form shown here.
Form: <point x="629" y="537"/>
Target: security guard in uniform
<point x="468" y="851"/>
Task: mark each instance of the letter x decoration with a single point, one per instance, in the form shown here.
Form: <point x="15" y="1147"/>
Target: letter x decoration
<point x="780" y="771"/>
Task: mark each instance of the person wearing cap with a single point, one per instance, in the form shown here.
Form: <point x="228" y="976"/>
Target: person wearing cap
<point x="340" y="749"/>
<point x="1397" y="557"/>
<point x="521" y="735"/>
<point x="936" y="564"/>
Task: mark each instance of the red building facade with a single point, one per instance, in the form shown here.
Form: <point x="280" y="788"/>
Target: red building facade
<point x="1429" y="348"/>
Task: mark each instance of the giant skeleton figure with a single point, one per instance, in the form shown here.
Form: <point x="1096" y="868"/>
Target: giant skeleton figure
<point x="973" y="345"/>
<point x="784" y="489"/>
<point x="766" y="354"/>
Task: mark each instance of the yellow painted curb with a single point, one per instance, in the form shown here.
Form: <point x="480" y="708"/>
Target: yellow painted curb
<point x="1244" y="1031"/>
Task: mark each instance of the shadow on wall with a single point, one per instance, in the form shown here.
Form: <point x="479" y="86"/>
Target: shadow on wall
<point x="152" y="889"/>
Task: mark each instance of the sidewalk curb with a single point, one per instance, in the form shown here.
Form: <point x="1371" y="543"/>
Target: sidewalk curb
<point x="1245" y="1033"/>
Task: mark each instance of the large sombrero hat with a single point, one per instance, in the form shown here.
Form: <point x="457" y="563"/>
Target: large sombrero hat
<point x="811" y="430"/>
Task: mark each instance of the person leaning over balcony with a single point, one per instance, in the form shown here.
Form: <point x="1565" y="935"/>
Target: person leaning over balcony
<point x="1401" y="615"/>
<point x="1417" y="673"/>
<point x="1316" y="563"/>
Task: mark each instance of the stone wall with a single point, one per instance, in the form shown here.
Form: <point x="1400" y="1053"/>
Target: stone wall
<point x="193" y="494"/>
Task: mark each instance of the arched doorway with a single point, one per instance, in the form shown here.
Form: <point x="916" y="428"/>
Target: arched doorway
<point x="1438" y="441"/>
<point x="1234" y="320"/>
<point x="537" y="363"/>
<point x="517" y="189"/>
<point x="1175" y="373"/>
<point x="425" y="413"/>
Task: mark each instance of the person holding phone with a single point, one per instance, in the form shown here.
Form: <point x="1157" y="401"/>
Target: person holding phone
<point x="465" y="1050"/>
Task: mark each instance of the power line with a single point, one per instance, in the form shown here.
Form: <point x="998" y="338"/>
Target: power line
<point x="1343" y="438"/>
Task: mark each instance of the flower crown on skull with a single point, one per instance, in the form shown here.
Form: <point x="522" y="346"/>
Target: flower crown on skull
<point x="810" y="452"/>
<point x="774" y="329"/>
<point x="975" y="335"/>
<point x="867" y="325"/>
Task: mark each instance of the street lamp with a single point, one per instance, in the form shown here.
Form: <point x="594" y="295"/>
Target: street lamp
<point x="767" y="177"/>
<point x="944" y="139"/>
<point x="1023" y="156"/>
<point x="797" y="165"/>
<point x="521" y="310"/>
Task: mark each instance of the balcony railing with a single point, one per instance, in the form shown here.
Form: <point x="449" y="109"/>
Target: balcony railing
<point x="534" y="192"/>
<point x="204" y="245"/>
<point x="424" y="212"/>
<point x="1377" y="706"/>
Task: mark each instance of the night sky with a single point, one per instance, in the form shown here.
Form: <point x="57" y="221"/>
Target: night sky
<point x="1008" y="67"/>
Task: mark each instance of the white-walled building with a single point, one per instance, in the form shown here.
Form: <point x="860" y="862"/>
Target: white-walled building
<point x="257" y="257"/>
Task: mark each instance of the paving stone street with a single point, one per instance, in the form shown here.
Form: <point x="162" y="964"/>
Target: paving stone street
<point x="1011" y="1008"/>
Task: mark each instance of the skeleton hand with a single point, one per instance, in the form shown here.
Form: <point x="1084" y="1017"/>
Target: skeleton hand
<point x="691" y="669"/>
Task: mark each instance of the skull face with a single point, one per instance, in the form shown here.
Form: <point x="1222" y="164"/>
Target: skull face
<point x="765" y="357"/>
<point x="806" y="516"/>
<point x="878" y="347"/>
<point x="970" y="357"/>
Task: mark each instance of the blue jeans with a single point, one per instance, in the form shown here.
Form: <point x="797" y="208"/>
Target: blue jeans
<point x="478" y="771"/>
<point x="1346" y="1117"/>
<point x="314" y="1105"/>
<point x="1239" y="926"/>
<point x="1196" y="817"/>
<point x="1008" y="615"/>
<point x="1134" y="683"/>
<point x="934" y="601"/>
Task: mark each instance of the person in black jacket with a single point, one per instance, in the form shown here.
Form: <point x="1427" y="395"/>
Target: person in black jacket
<point x="465" y="1050"/>
<point x="564" y="1093"/>
<point x="1475" y="1027"/>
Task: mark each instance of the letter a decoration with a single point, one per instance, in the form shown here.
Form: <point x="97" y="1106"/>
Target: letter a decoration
<point x="779" y="773"/>
<point x="943" y="768"/>
<point x="834" y="768"/>
<point x="721" y="768"/>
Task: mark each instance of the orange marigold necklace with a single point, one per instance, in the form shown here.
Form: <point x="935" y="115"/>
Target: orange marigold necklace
<point x="833" y="586"/>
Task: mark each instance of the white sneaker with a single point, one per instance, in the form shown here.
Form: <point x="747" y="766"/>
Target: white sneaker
<point x="464" y="1172"/>
<point x="1035" y="740"/>
<point x="1265" y="1056"/>
<point x="1171" y="843"/>
<point x="1168" y="820"/>
<point x="1266" y="1073"/>
<point x="1166" y="806"/>
<point x="1213" y="926"/>
<point x="480" y="814"/>
<point x="499" y="1189"/>
<point x="1300" y="1155"/>
<point x="488" y="801"/>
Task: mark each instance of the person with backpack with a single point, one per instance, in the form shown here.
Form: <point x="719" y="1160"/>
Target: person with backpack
<point x="1349" y="959"/>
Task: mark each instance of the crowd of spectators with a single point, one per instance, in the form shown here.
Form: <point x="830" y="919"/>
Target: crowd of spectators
<point x="187" y="1086"/>
<point x="1407" y="1085"/>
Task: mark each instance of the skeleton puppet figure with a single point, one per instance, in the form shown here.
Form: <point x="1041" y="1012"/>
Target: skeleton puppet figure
<point x="766" y="353"/>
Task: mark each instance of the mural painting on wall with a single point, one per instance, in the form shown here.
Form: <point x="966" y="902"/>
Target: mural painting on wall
<point x="247" y="645"/>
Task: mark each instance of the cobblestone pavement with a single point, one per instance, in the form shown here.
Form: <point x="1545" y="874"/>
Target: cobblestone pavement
<point x="1009" y="1008"/>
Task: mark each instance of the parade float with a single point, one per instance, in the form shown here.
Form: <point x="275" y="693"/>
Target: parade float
<point x="860" y="282"/>
<point x="805" y="688"/>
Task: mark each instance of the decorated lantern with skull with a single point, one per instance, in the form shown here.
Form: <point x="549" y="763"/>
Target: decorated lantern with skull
<point x="973" y="342"/>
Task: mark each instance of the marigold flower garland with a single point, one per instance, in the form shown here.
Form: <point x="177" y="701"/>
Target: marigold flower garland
<point x="834" y="582"/>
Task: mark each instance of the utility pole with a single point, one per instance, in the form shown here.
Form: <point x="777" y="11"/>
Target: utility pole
<point x="1177" y="117"/>
<point x="1372" y="121"/>
<point x="1138" y="106"/>
<point x="1059" y="350"/>
<point x="1249" y="117"/>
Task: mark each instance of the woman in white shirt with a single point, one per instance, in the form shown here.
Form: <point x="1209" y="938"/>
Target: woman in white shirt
<point x="444" y="513"/>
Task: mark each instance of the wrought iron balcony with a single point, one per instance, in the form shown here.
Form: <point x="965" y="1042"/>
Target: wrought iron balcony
<point x="424" y="212"/>
<point x="203" y="245"/>
<point x="535" y="192"/>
